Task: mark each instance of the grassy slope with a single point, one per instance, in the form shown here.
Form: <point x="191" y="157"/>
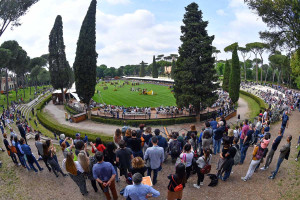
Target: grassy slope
<point x="253" y="106"/>
<point x="127" y="98"/>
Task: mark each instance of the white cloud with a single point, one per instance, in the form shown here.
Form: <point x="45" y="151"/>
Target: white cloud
<point x="221" y="12"/>
<point x="115" y="2"/>
<point x="236" y="3"/>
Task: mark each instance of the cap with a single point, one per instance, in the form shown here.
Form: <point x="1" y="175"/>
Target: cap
<point x="77" y="134"/>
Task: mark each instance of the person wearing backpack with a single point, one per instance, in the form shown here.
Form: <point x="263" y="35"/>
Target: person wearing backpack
<point x="204" y="166"/>
<point x="177" y="183"/>
<point x="284" y="154"/>
<point x="174" y="148"/>
<point x="257" y="155"/>
<point x="232" y="157"/>
<point x="246" y="143"/>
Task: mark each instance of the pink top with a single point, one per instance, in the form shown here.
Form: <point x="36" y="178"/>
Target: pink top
<point x="265" y="143"/>
<point x="244" y="131"/>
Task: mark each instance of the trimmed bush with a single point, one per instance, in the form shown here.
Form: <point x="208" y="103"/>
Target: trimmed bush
<point x="137" y="122"/>
<point x="71" y="110"/>
<point x="42" y="104"/>
<point x="258" y="100"/>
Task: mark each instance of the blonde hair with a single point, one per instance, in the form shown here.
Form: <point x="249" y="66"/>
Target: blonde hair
<point x="148" y="129"/>
<point x="230" y="133"/>
<point x="137" y="162"/>
<point x="128" y="133"/>
<point x="84" y="161"/>
<point x="70" y="165"/>
<point x="193" y="127"/>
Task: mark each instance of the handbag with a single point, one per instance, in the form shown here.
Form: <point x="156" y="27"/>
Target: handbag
<point x="206" y="169"/>
<point x="183" y="160"/>
<point x="178" y="187"/>
<point x="13" y="149"/>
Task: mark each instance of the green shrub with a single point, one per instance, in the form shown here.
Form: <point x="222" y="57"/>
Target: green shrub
<point x="258" y="100"/>
<point x="71" y="110"/>
<point x="137" y="122"/>
<point x="42" y="104"/>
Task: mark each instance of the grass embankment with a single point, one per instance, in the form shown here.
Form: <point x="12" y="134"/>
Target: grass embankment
<point x="252" y="105"/>
<point x="125" y="97"/>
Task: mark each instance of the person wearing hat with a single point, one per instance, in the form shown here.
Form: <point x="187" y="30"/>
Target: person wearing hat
<point x="77" y="138"/>
<point x="139" y="191"/>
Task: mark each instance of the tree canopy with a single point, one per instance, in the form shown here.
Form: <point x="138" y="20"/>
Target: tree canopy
<point x="154" y="69"/>
<point x="194" y="75"/>
<point x="226" y="76"/>
<point x="235" y="77"/>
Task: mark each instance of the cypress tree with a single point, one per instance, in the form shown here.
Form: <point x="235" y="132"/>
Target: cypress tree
<point x="86" y="57"/>
<point x="235" y="78"/>
<point x="154" y="69"/>
<point x="194" y="76"/>
<point x="142" y="70"/>
<point x="173" y="68"/>
<point x="226" y="76"/>
<point x="58" y="64"/>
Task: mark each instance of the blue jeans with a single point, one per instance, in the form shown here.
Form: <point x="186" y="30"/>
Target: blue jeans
<point x="23" y="161"/>
<point x="154" y="174"/>
<point x="283" y="129"/>
<point x="227" y="174"/>
<point x="117" y="176"/>
<point x="241" y="143"/>
<point x="138" y="154"/>
<point x="217" y="145"/>
<point x="244" y="152"/>
<point x="280" y="160"/>
<point x="257" y="132"/>
<point x="34" y="161"/>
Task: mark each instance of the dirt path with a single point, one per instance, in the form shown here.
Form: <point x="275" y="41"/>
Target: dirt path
<point x="18" y="183"/>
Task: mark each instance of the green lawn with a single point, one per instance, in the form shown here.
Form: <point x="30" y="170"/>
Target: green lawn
<point x="253" y="106"/>
<point x="12" y="95"/>
<point x="124" y="97"/>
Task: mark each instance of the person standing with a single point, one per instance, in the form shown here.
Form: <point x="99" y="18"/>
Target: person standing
<point x="75" y="171"/>
<point x="162" y="142"/>
<point x="30" y="158"/>
<point x="246" y="143"/>
<point x="245" y="130"/>
<point x="272" y="151"/>
<point x="104" y="173"/>
<point x="139" y="191"/>
<point x="284" y="154"/>
<point x="110" y="156"/>
<point x="22" y="132"/>
<point x="9" y="150"/>
<point x="123" y="158"/>
<point x="285" y="122"/>
<point x="187" y="155"/>
<point x="155" y="155"/>
<point x="179" y="178"/>
<point x="218" y="136"/>
<point x="201" y="163"/>
<point x="135" y="145"/>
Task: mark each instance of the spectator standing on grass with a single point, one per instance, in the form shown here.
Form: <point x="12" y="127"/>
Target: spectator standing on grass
<point x="139" y="191"/>
<point x="9" y="149"/>
<point x="66" y="149"/>
<point x="39" y="146"/>
<point x="155" y="155"/>
<point x="75" y="171"/>
<point x="123" y="158"/>
<point x="187" y="155"/>
<point x="20" y="152"/>
<point x="246" y="143"/>
<point x="104" y="173"/>
<point x="284" y="154"/>
<point x="135" y="145"/>
<point x="274" y="147"/>
<point x="285" y="122"/>
<point x="177" y="179"/>
<point x="201" y="163"/>
<point x="30" y="158"/>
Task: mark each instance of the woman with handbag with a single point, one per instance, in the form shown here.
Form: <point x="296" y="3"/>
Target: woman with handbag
<point x="187" y="159"/>
<point x="11" y="150"/>
<point x="204" y="166"/>
<point x="177" y="183"/>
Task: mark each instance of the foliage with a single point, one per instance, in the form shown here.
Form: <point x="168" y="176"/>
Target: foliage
<point x="43" y="76"/>
<point x="11" y="11"/>
<point x="226" y="78"/>
<point x="136" y="123"/>
<point x="256" y="48"/>
<point x="71" y="110"/>
<point x="142" y="71"/>
<point x="231" y="47"/>
<point x="154" y="69"/>
<point x="252" y="105"/>
<point x="100" y="71"/>
<point x="235" y="77"/>
<point x="37" y="61"/>
<point x="86" y="57"/>
<point x="244" y="52"/>
<point x="220" y="67"/>
<point x="5" y="55"/>
<point x="173" y="68"/>
<point x="295" y="65"/>
<point x="59" y="67"/>
<point x="258" y="100"/>
<point x="283" y="19"/>
<point x="195" y="80"/>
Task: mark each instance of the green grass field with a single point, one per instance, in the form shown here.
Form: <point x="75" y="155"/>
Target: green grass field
<point x="253" y="106"/>
<point x="124" y="97"/>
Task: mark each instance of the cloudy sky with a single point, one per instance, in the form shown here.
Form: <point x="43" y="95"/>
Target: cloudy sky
<point x="129" y="31"/>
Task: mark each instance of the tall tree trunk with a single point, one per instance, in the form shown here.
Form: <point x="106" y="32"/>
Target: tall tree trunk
<point x="245" y="70"/>
<point x="261" y="74"/>
<point x="266" y="75"/>
<point x="63" y="95"/>
<point x="6" y="88"/>
<point x="273" y="75"/>
<point x="256" y="72"/>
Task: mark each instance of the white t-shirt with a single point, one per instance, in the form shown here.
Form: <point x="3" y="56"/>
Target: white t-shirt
<point x="77" y="165"/>
<point x="189" y="158"/>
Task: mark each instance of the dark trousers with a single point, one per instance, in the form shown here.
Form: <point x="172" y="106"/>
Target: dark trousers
<point x="46" y="163"/>
<point x="14" y="158"/>
<point x="200" y="176"/>
<point x="155" y="171"/>
<point x="188" y="172"/>
<point x="32" y="158"/>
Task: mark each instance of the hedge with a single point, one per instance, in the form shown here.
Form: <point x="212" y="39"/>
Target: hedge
<point x="136" y="123"/>
<point x="60" y="129"/>
<point x="71" y="110"/>
<point x="258" y="100"/>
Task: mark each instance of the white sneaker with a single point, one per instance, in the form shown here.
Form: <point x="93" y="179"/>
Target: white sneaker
<point x="244" y="179"/>
<point x="263" y="168"/>
<point x="196" y="186"/>
<point x="296" y="159"/>
<point x="201" y="183"/>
